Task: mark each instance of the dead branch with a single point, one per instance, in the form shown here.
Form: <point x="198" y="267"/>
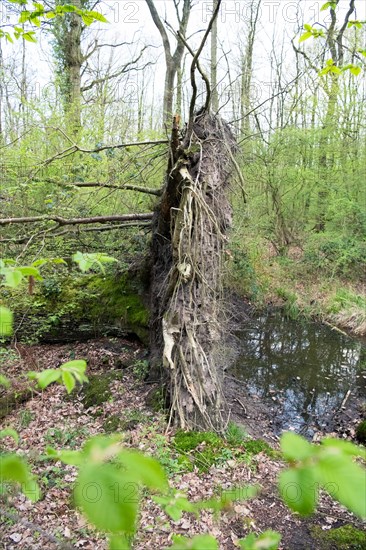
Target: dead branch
<point x="76" y="221"/>
<point x="71" y="233"/>
<point x="36" y="529"/>
<point x="74" y="148"/>
<point x="102" y="185"/>
<point x="123" y="70"/>
<point x="200" y="70"/>
<point x="147" y="190"/>
<point x="194" y="65"/>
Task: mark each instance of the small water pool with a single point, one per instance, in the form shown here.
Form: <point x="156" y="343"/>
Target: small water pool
<point x="305" y="370"/>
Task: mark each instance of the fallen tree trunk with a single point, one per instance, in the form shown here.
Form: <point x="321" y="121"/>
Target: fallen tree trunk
<point x="187" y="249"/>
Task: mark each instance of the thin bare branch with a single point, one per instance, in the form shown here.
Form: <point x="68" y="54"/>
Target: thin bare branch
<point x="194" y="65"/>
<point x="77" y="148"/>
<point x="36" y="529"/>
<point x="123" y="70"/>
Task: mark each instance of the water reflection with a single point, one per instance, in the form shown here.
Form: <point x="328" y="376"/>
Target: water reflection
<point x="306" y="369"/>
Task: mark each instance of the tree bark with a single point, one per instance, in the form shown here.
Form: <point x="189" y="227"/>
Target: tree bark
<point x="173" y="60"/>
<point x="215" y="93"/>
<point x="74" y="60"/>
<point x="326" y="155"/>
<point x="187" y="256"/>
<point x="247" y="68"/>
<point x="67" y="32"/>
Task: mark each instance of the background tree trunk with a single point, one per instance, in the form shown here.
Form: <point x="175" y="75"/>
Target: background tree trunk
<point x="215" y="92"/>
<point x="67" y="34"/>
<point x="173" y="61"/>
<point x="247" y="67"/>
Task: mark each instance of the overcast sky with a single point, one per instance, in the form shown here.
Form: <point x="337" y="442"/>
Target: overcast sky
<point x="130" y="21"/>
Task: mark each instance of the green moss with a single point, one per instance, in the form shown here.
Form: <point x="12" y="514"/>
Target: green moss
<point x="205" y="449"/>
<point x="64" y="302"/>
<point x="118" y="296"/>
<point x="201" y="449"/>
<point x="187" y="441"/>
<point x="342" y="538"/>
<point x="206" y="458"/>
<point x="119" y="299"/>
<point x="186" y="463"/>
<point x="97" y="391"/>
<point x="361" y="432"/>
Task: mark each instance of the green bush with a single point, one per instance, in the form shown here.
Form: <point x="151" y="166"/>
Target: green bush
<point x="336" y="254"/>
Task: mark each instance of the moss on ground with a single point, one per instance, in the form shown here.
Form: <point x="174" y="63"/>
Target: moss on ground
<point x="123" y="423"/>
<point x="187" y="441"/>
<point x="206" y="449"/>
<point x="342" y="538"/>
<point x="256" y="446"/>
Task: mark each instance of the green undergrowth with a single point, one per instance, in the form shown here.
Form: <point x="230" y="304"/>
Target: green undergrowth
<point x="303" y="284"/>
<point x="191" y="450"/>
<point x="156" y="400"/>
<point x="342" y="538"/>
<point x="66" y="300"/>
<point x="205" y="449"/>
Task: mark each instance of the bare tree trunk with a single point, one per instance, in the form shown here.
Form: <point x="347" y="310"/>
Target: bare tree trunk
<point x="2" y="134"/>
<point x="170" y="73"/>
<point x="215" y="93"/>
<point x="173" y="60"/>
<point x="187" y="253"/>
<point x="179" y="102"/>
<point x="74" y="60"/>
<point x="23" y="86"/>
<point x="326" y="154"/>
<point x="247" y="67"/>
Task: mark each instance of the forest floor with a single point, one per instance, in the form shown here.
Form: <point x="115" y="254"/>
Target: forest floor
<point x="52" y="418"/>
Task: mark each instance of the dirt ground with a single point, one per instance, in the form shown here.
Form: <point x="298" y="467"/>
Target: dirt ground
<point x="53" y="418"/>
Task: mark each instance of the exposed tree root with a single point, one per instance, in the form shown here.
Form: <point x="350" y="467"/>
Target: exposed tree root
<point x="188" y="249"/>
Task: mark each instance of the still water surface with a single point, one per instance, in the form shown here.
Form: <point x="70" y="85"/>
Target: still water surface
<point x="303" y="369"/>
